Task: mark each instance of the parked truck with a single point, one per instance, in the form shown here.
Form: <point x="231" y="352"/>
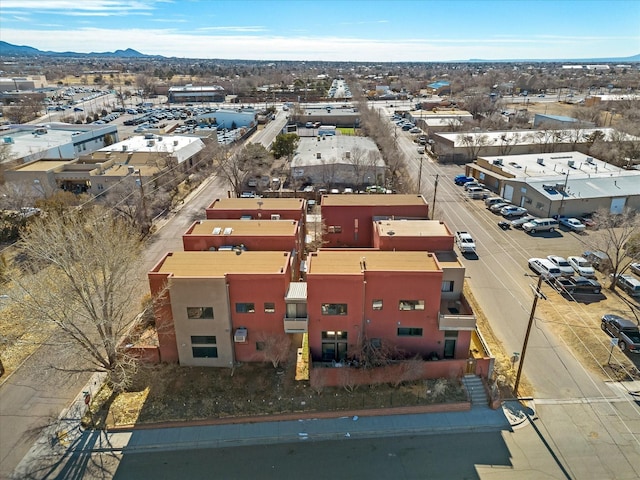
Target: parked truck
<point x="625" y="330"/>
<point x="465" y="242"/>
<point x="577" y="285"/>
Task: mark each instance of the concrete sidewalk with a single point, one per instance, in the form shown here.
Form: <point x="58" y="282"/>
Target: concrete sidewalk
<point x="53" y="450"/>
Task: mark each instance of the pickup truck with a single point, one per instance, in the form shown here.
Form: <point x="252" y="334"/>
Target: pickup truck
<point x="626" y="331"/>
<point x="577" y="285"/>
<point x="465" y="242"/>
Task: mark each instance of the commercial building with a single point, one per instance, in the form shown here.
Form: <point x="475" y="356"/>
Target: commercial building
<point x="54" y="141"/>
<point x="338" y="160"/>
<point x="330" y="114"/>
<point x="567" y="183"/>
<point x="139" y="157"/>
<point x="258" y="208"/>
<point x="196" y="94"/>
<point x="462" y="147"/>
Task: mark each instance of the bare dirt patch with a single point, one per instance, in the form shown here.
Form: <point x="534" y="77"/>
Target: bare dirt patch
<point x="167" y="393"/>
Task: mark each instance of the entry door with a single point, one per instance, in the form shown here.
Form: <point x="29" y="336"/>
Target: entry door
<point x="617" y="204"/>
<point x="449" y="348"/>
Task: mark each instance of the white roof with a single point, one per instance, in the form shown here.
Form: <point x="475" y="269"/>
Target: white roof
<point x="179" y="146"/>
<point x="332" y="148"/>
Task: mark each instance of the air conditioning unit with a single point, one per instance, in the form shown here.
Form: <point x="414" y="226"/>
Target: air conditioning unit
<point x="275" y="216"/>
<point x="589" y="159"/>
<point x="571" y="163"/>
<point x="240" y="336"/>
<point x="540" y="161"/>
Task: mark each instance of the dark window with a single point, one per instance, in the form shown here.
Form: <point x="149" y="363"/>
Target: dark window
<point x="204" y="352"/>
<point x="334" y="309"/>
<point x="203" y="339"/>
<point x="334" y="346"/>
<point x="334" y="229"/>
<point x="269" y="307"/>
<point x="260" y="346"/>
<point x="245" y="308"/>
<point x="377" y="304"/>
<point x="199" y="312"/>
<point x="409" y="332"/>
<point x="447" y="286"/>
<point x="411" y="305"/>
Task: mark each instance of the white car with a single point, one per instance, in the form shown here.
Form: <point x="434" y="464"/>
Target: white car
<point x="518" y="222"/>
<point x="565" y="269"/>
<point x="512" y="211"/>
<point x="572" y="224"/>
<point x="582" y="267"/>
<point x="635" y="268"/>
<point x="496" y="207"/>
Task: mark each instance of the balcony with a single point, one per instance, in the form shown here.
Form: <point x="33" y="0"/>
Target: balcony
<point x="296" y="324"/>
<point x="456" y="322"/>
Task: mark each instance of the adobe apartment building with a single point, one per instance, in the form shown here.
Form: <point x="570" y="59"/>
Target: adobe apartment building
<point x="348" y="219"/>
<point x="382" y="297"/>
<point x="258" y="208"/>
<point x="213" y="304"/>
<point x="251" y="235"/>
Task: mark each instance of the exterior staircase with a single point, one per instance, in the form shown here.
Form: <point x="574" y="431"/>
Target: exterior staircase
<point x="476" y="390"/>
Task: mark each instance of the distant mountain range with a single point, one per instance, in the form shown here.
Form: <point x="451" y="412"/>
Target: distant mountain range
<point x="10" y="50"/>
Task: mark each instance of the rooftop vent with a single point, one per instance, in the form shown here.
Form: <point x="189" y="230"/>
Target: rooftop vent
<point x="590" y="160"/>
<point x="571" y="163"/>
<point x="540" y="161"/>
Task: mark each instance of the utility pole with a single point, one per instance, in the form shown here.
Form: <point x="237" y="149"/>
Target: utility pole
<point x="420" y="176"/>
<point x="144" y="202"/>
<point x="435" y="190"/>
<point x="537" y="294"/>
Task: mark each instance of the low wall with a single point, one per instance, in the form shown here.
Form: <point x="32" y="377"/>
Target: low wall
<point x="146" y="354"/>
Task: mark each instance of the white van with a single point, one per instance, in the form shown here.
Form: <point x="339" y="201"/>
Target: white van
<point x="540" y="225"/>
<point x="544" y="267"/>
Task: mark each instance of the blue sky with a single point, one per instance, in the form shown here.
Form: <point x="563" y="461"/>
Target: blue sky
<point x="372" y="31"/>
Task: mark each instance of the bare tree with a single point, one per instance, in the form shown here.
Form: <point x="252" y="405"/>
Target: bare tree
<point x="76" y="273"/>
<point x="473" y="143"/>
<point x="618" y="238"/>
<point x="274" y="347"/>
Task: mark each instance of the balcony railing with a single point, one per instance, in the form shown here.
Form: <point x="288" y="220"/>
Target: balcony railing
<point x="457" y="322"/>
<point x="296" y="325"/>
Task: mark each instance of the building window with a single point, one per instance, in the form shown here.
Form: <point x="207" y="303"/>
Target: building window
<point x="411" y="305"/>
<point x="377" y="304"/>
<point x="334" y="346"/>
<point x="334" y="309"/>
<point x="334" y="229"/>
<point x="203" y="346"/>
<point x="200" y="312"/>
<point x="447" y="286"/>
<point x="260" y="346"/>
<point x="269" y="307"/>
<point x="409" y="332"/>
<point x="245" y="308"/>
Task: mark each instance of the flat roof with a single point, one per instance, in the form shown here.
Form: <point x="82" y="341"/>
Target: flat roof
<point x="355" y="261"/>
<point x="264" y="227"/>
<point x="553" y="166"/>
<point x="179" y="146"/>
<point x="333" y="149"/>
<point x="219" y="264"/>
<point x="256" y="203"/>
<point x="528" y="137"/>
<point x="412" y="228"/>
<point x="355" y="200"/>
<point x="42" y="165"/>
<point x="585" y="187"/>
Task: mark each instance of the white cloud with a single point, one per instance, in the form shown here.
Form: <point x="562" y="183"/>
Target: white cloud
<point x="171" y="43"/>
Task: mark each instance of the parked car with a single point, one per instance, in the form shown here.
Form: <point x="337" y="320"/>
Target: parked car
<point x="540" y="225"/>
<point x="599" y="260"/>
<point x="512" y="211"/>
<point x="462" y="179"/>
<point x="629" y="284"/>
<point x="473" y="184"/>
<point x="635" y="268"/>
<point x="496" y="207"/>
<point x="544" y="267"/>
<point x="493" y="200"/>
<point x="477" y="193"/>
<point x="518" y="222"/>
<point x="572" y="224"/>
<point x="582" y="266"/>
<point x="625" y="330"/>
<point x="560" y="262"/>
